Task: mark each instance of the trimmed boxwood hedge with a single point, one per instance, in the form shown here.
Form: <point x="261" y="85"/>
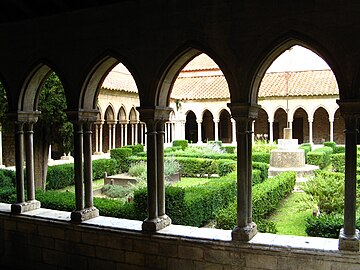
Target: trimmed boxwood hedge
<point x="263" y="157"/>
<point x="122" y="156"/>
<point x="193" y="206"/>
<point x="320" y="157"/>
<point x="182" y="143"/>
<point x="137" y="148"/>
<point x="266" y="197"/>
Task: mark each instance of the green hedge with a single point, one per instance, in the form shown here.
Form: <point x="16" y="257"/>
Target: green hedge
<point x="122" y="156"/>
<point x="228" y="149"/>
<point x="339" y="149"/>
<point x="193" y="206"/>
<point x="327" y="226"/>
<point x="338" y="162"/>
<point x="263" y="167"/>
<point x="330" y="144"/>
<point x="190" y="167"/>
<point x="61" y="176"/>
<point x="182" y="143"/>
<point x="320" y="157"/>
<point x="201" y="155"/>
<point x="307" y="148"/>
<point x="263" y="157"/>
<point x="266" y="198"/>
<point x="137" y="148"/>
<point x="225" y="166"/>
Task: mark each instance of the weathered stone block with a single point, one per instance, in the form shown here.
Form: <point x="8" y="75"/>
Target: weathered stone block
<point x="149" y="247"/>
<point x="155" y="262"/>
<point x="193" y="253"/>
<point x="51" y="231"/>
<point x="134" y="258"/>
<point x="260" y="261"/>
<point x="96" y="264"/>
<point x="110" y="254"/>
<point x="180" y="264"/>
<point x="224" y="256"/>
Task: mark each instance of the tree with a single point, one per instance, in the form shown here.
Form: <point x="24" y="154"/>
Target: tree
<point x="51" y="128"/>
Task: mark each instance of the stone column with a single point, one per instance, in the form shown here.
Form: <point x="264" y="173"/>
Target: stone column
<point x="136" y="133"/>
<point x="233" y="129"/>
<point x="331" y="121"/>
<point x="110" y="136"/>
<point x="216" y="129"/>
<point x="310" y="130"/>
<point x="113" y="136"/>
<point x="199" y="131"/>
<point x="252" y="128"/>
<point x="244" y="114"/>
<point x="96" y="138"/>
<point x="349" y="235"/>
<point x="100" y="138"/>
<point x="125" y="134"/>
<point x="155" y="119"/>
<point x="1" y="149"/>
<point x="24" y="121"/>
<point x="271" y="131"/>
<point x="82" y="122"/>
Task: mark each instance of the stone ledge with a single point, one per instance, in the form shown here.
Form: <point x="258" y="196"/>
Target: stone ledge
<point x="85" y="214"/>
<point x="19" y="208"/>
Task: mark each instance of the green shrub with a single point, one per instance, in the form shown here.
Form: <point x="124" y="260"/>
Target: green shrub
<point x="256" y="177"/>
<point x="122" y="156"/>
<point x="263" y="167"/>
<point x="330" y="144"/>
<point x="338" y="162"/>
<point x="60" y="176"/>
<point x="225" y="166"/>
<point x="327" y="226"/>
<point x="218" y="143"/>
<point x="339" y="149"/>
<point x="116" y="191"/>
<point x="307" y="148"/>
<point x="266" y="197"/>
<point x="182" y="143"/>
<point x="172" y="149"/>
<point x="7" y="177"/>
<point x="228" y="149"/>
<point x="190" y="167"/>
<point x="137" y="148"/>
<point x="263" y="157"/>
<point x="100" y="166"/>
<point x="320" y="157"/>
<point x="138" y="170"/>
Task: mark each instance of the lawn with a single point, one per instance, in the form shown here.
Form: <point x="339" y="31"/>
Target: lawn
<point x="291" y="215"/>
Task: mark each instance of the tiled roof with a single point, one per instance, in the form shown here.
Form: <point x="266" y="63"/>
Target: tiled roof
<point x="120" y="79"/>
<point x="202" y="79"/>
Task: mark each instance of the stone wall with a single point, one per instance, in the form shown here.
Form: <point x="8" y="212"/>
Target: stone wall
<point x="29" y="242"/>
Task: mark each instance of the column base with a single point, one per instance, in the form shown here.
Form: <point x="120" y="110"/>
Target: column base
<point x="98" y="153"/>
<point x="19" y="208"/>
<point x="245" y="233"/>
<point x="85" y="214"/>
<point x="157" y="224"/>
<point x="349" y="243"/>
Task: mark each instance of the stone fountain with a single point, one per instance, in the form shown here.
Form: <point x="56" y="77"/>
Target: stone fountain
<point x="288" y="157"/>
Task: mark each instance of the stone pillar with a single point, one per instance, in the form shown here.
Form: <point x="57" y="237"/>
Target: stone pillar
<point x="310" y="130"/>
<point x="155" y="119"/>
<point x="271" y="131"/>
<point x="216" y="129"/>
<point x="252" y="133"/>
<point x="331" y="121"/>
<point x="96" y="138"/>
<point x="1" y="149"/>
<point x="24" y="121"/>
<point x="82" y="122"/>
<point x="349" y="235"/>
<point x="136" y="133"/>
<point x="110" y="136"/>
<point x="113" y="136"/>
<point x="100" y="138"/>
<point x="125" y="134"/>
<point x="199" y="131"/>
<point x="244" y="114"/>
<point x="233" y="129"/>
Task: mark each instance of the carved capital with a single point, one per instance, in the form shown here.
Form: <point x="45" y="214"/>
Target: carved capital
<point x="243" y="111"/>
<point x="154" y="114"/>
<point x="24" y="117"/>
<point x="83" y="116"/>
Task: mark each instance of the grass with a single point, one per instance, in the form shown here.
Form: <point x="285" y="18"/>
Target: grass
<point x="291" y="215"/>
<point x="96" y="185"/>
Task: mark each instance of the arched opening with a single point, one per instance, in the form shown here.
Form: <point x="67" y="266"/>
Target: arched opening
<point x="339" y="127"/>
<point x="191" y="128"/>
<point x="321" y="126"/>
<point x="108" y="128"/>
<point x="132" y="127"/>
<point x="225" y="127"/>
<point x="7" y="148"/>
<point x="120" y="128"/>
<point x="300" y="126"/>
<point x="280" y="122"/>
<point x="207" y="127"/>
<point x="261" y="126"/>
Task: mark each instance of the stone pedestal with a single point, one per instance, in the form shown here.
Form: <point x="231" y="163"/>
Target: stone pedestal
<point x="85" y="214"/>
<point x="156" y="224"/>
<point x="244" y="234"/>
<point x="19" y="208"/>
<point x="349" y="243"/>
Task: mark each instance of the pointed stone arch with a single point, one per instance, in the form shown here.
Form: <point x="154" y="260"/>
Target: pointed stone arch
<point x="191" y="128"/>
<point x="225" y="126"/>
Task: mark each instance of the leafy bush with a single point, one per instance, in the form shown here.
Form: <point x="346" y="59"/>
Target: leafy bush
<point x="137" y="148"/>
<point x="338" y="162"/>
<point x="330" y="144"/>
<point x="266" y="197"/>
<point x="182" y="143"/>
<point x="195" y="166"/>
<point x="60" y="176"/>
<point x="307" y="148"/>
<point x="256" y="177"/>
<point x="100" y="166"/>
<point x="122" y="156"/>
<point x="225" y="166"/>
<point x="117" y="191"/>
<point x="228" y="149"/>
<point x="263" y="157"/>
<point x="327" y="191"/>
<point x="263" y="167"/>
<point x="339" y="149"/>
<point x="172" y="149"/>
<point x="320" y="157"/>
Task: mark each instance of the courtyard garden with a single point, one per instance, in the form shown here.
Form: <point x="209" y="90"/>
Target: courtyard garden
<point x="206" y="193"/>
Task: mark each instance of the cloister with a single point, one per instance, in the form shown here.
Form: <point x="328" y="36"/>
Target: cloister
<point x="83" y="42"/>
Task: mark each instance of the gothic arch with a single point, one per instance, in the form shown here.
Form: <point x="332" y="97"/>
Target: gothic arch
<point x="283" y="43"/>
<point x="122" y="114"/>
<point x="96" y="76"/>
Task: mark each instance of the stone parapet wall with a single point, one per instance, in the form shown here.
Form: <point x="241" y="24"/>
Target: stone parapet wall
<point x="37" y="243"/>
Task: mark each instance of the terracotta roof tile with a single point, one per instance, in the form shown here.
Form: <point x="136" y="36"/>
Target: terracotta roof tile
<point x="120" y="79"/>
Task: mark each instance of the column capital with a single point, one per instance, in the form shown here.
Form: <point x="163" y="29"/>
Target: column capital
<point x="349" y="108"/>
<point x="155" y="113"/>
<point x="82" y="115"/>
<point x="24" y="117"/>
<point x="242" y="111"/>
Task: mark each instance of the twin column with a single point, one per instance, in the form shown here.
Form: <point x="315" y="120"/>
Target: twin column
<point x="155" y="118"/>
